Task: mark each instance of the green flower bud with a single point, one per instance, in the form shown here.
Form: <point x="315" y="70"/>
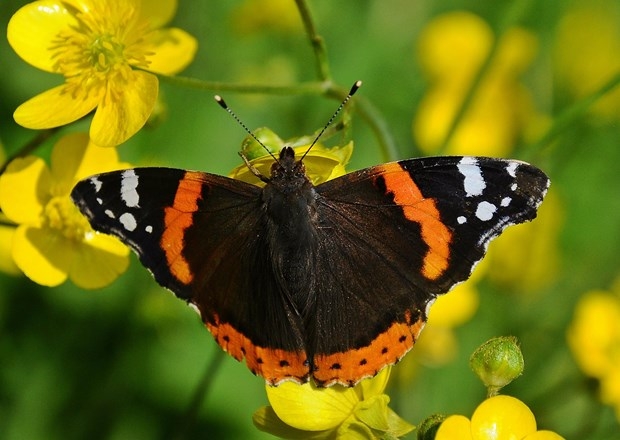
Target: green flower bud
<point x="497" y="362"/>
<point x="253" y="150"/>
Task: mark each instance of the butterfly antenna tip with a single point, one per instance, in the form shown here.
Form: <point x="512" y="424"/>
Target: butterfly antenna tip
<point x="223" y="104"/>
<point x="356" y="85"/>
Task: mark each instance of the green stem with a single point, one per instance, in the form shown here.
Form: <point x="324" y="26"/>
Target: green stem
<point x="317" y="42"/>
<point x="573" y="113"/>
<point x="306" y="88"/>
<point x="373" y="118"/>
<point x="201" y="391"/>
<point x="380" y="128"/>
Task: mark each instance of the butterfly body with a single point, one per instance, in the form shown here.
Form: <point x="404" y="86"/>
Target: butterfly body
<point x="330" y="282"/>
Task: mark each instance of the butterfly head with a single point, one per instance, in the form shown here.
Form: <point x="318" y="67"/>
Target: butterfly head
<point x="287" y="168"/>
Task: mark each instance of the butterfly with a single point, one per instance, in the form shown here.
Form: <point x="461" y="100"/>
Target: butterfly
<point x="331" y="282"/>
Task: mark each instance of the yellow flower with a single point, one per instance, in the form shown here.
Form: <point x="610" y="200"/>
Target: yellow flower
<point x="100" y="47"/>
<point x="305" y="411"/>
<point x="53" y="241"/>
<point x="322" y="163"/>
<point x="497" y="418"/>
<point x="594" y="339"/>
<point x="451" y="50"/>
<point x="585" y="60"/>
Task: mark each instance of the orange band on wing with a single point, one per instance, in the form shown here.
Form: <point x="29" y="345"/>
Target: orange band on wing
<point x="274" y="365"/>
<point x="423" y="211"/>
<point x="349" y="367"/>
<point x="177" y="218"/>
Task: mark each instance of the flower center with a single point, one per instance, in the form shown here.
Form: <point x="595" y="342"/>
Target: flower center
<point x="105" y="53"/>
<point x="104" y="44"/>
<point x="61" y="214"/>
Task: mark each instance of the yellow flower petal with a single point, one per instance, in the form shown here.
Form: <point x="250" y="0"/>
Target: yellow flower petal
<point x="502" y="418"/>
<point x="158" y="12"/>
<point x="375" y="385"/>
<point x="43" y="255"/>
<point x="24" y="190"/>
<point x="173" y="49"/>
<point x="53" y="108"/>
<point x="32" y="29"/>
<point x="310" y="408"/>
<point x="74" y="157"/>
<point x="267" y="420"/>
<point x="99" y="261"/>
<point x="321" y="163"/>
<point x="120" y="116"/>
<point x="351" y="429"/>
<point x="455" y="427"/>
<point x="373" y="412"/>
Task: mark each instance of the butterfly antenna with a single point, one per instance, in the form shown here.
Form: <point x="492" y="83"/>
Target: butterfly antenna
<point x="223" y="104"/>
<point x="354" y="88"/>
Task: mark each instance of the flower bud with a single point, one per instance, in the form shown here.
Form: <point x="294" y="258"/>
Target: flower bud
<point x="253" y="150"/>
<point x="497" y="362"/>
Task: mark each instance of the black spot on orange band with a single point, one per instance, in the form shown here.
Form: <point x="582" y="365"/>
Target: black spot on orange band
<point x="349" y="367"/>
<point x="274" y="365"/>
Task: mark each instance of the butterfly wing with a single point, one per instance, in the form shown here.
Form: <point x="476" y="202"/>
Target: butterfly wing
<point x="199" y="235"/>
<point x="394" y="237"/>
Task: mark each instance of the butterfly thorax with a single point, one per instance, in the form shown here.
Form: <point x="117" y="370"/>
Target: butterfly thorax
<point x="289" y="203"/>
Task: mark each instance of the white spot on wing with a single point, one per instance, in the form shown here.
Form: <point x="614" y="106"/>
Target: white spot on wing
<point x="100" y="201"/>
<point x="485" y="211"/>
<point x="149" y="229"/>
<point x="505" y="201"/>
<point x="512" y="168"/>
<point x="474" y="182"/>
<point x="96" y="183"/>
<point x="128" y="221"/>
<point x="514" y="187"/>
<point x="129" y="185"/>
<point x="109" y="213"/>
<point x="461" y="219"/>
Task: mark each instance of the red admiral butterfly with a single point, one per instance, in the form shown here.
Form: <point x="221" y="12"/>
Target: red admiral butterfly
<point x="331" y="282"/>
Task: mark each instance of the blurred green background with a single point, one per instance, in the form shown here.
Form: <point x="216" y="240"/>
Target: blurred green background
<point x="123" y="362"/>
